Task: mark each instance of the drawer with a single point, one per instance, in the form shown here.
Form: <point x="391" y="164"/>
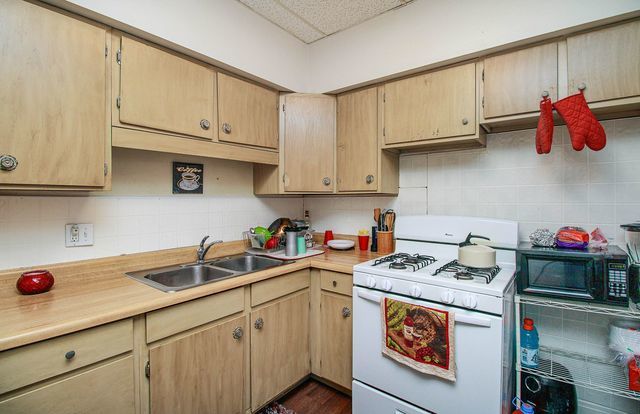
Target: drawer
<point x="105" y="389"/>
<point x="336" y="282"/>
<point x="178" y="318"/>
<point x="36" y="362"/>
<point x="279" y="286"/>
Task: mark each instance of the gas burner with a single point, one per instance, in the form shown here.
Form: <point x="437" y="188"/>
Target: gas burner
<point x="398" y="265"/>
<point x="425" y="258"/>
<point x="462" y="272"/>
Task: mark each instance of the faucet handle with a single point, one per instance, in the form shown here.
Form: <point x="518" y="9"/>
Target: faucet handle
<point x="203" y="241"/>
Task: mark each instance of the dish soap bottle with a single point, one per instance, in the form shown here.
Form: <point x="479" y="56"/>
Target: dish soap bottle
<point x="529" y="344"/>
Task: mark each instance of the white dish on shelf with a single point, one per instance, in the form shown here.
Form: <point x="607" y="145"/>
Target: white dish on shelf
<point x="341" y="244"/>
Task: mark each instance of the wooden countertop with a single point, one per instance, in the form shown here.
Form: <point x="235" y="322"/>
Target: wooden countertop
<point x="94" y="292"/>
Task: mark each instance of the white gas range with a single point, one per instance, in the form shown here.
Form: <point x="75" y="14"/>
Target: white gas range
<point x="423" y="270"/>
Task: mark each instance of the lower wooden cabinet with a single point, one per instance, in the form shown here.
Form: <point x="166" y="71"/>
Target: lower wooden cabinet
<point x="279" y="347"/>
<point x="106" y="389"/>
<point x="202" y="372"/>
<point x="336" y="336"/>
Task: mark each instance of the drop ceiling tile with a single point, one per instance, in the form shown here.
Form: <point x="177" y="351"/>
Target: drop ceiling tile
<point x="273" y="11"/>
<point x="330" y="16"/>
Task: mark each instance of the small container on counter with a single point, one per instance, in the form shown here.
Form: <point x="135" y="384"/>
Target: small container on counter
<point x="291" y="246"/>
<point x="374" y="238"/>
<point x="302" y="245"/>
<point x="385" y="242"/>
<point x="363" y="240"/>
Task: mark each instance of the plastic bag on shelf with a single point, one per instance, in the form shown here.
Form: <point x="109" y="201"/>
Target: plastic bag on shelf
<point x="598" y="240"/>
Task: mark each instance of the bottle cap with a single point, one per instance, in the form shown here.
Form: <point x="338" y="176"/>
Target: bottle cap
<point x="528" y="324"/>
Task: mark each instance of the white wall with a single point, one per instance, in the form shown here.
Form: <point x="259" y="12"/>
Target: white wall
<point x="508" y="180"/>
<point x="140" y="214"/>
<point x="225" y="31"/>
<point x="430" y="31"/>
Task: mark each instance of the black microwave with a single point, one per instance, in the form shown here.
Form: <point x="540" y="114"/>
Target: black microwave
<point x="587" y="275"/>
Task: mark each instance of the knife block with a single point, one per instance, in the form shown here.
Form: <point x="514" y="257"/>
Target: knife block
<point x="386" y="244"/>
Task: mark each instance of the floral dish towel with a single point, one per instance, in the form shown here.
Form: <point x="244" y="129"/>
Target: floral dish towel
<point x="419" y="337"/>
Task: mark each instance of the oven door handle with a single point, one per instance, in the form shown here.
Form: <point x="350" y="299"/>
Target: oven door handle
<point x="460" y="318"/>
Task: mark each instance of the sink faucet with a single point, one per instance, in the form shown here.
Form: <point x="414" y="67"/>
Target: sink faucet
<point x="202" y="250"/>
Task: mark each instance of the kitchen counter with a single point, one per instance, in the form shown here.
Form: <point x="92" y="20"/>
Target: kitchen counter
<point x="94" y="292"/>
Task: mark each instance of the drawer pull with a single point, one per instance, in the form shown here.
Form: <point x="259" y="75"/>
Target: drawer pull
<point x="369" y="179"/>
<point x="226" y="128"/>
<point x="334" y="283"/>
<point x="346" y="312"/>
<point x="205" y="124"/>
<point x="326" y="181"/>
<point x="69" y="355"/>
<point x="237" y="333"/>
<point x="8" y="162"/>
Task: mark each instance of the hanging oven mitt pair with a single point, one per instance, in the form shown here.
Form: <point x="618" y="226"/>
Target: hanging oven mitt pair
<point x="583" y="127"/>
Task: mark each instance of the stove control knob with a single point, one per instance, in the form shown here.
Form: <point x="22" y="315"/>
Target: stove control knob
<point x="469" y="301"/>
<point x="415" y="291"/>
<point x="447" y="296"/>
<point x="371" y="282"/>
<point x="386" y="285"/>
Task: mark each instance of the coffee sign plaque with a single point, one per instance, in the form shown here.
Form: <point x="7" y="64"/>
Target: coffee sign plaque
<point x="187" y="178"/>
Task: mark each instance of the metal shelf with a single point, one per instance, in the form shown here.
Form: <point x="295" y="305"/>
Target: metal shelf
<point x="584" y="370"/>
<point x="623" y="312"/>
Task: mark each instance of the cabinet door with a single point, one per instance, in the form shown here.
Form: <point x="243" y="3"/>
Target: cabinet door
<point x="335" y="325"/>
<point x="357" y="141"/>
<point x="309" y="143"/>
<point x="200" y="373"/>
<point x="247" y="113"/>
<point x="53" y="94"/>
<point x="106" y="389"/>
<point x="434" y="105"/>
<point x="279" y="347"/>
<point x="160" y="90"/>
<point x="606" y="61"/>
<point x="514" y="82"/>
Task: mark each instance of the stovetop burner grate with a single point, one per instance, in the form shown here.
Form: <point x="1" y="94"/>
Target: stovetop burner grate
<point x="461" y="272"/>
<point x="402" y="261"/>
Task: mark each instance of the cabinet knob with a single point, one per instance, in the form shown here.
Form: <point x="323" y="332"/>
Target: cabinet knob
<point x="259" y="323"/>
<point x="204" y="124"/>
<point x="545" y="94"/>
<point x="70" y="354"/>
<point x="369" y="179"/>
<point x="8" y="162"/>
<point x="582" y="86"/>
<point x="346" y="312"/>
<point x="465" y="121"/>
<point x="226" y="128"/>
<point x="326" y="181"/>
<point x="334" y="283"/>
<point x="237" y="333"/>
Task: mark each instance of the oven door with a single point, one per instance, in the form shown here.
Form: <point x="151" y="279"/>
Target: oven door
<point x="478" y="355"/>
<point x="562" y="276"/>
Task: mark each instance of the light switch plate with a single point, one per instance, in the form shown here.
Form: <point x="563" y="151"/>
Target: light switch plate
<point x="78" y="234"/>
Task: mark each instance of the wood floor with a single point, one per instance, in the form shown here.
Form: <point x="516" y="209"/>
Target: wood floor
<point x="313" y="397"/>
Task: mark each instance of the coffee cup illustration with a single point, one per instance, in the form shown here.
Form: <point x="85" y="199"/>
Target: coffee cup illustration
<point x="189" y="181"/>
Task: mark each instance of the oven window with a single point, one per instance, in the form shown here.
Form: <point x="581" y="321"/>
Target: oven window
<point x="566" y="275"/>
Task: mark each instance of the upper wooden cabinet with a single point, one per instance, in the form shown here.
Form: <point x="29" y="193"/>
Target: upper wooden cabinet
<point x="606" y="62"/>
<point x="202" y="372"/>
<point x="435" y="105"/>
<point x="247" y="113"/>
<point x="515" y="82"/>
<point x="53" y="93"/>
<point x="309" y="129"/>
<point x="163" y="91"/>
<point x="361" y="165"/>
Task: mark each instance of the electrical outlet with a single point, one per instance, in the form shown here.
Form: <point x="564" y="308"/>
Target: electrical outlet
<point x="78" y="235"/>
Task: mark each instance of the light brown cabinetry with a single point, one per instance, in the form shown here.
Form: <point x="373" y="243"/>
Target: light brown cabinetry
<point x="163" y="91"/>
<point x="436" y="105"/>
<point x="202" y="372"/>
<point x="336" y="336"/>
<point x="279" y="347"/>
<point x="605" y="62"/>
<point x="515" y="82"/>
<point x="247" y="113"/>
<point x="309" y="128"/>
<point x="53" y="94"/>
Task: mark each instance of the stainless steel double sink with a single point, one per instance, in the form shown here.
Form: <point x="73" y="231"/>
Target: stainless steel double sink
<point x="174" y="278"/>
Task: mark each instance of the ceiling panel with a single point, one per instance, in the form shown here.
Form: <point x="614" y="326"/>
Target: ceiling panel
<point x="310" y="20"/>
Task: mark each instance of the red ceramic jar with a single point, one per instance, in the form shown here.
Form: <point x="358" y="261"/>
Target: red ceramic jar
<point x="35" y="281"/>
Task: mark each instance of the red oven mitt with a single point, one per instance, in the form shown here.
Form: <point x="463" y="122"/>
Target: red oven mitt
<point x="583" y="126"/>
<point x="544" y="133"/>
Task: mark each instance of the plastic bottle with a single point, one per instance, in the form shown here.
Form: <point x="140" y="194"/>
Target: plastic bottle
<point x="529" y="344"/>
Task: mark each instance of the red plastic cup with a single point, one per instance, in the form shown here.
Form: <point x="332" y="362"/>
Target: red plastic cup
<point x="328" y="236"/>
<point x="363" y="241"/>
